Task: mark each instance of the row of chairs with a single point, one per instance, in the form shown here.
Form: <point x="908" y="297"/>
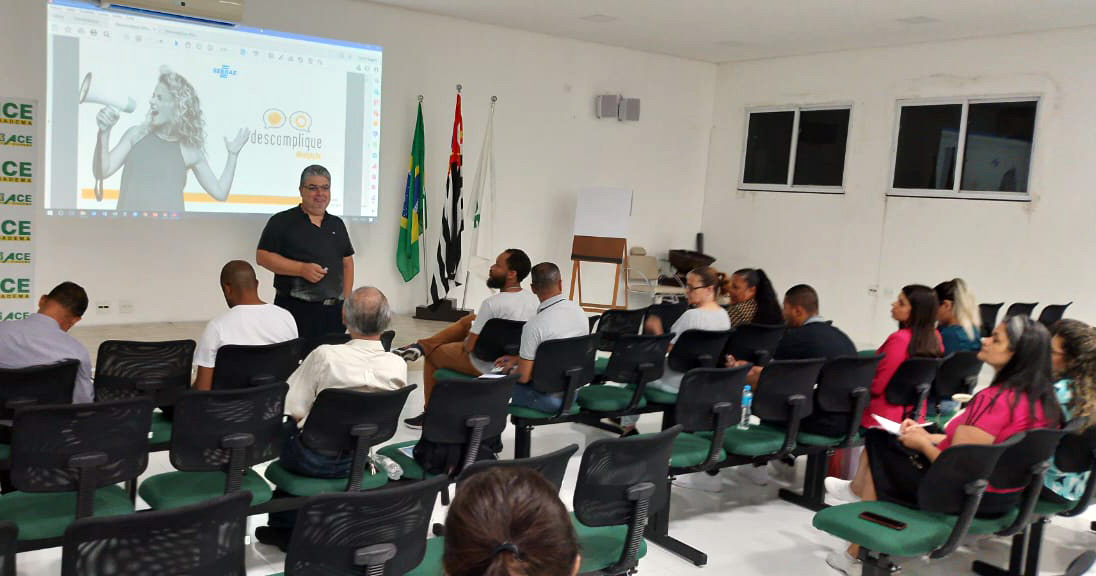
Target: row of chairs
<point x="1050" y="314"/>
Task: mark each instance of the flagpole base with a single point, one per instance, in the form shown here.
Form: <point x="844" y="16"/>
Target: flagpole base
<point x="444" y="311"/>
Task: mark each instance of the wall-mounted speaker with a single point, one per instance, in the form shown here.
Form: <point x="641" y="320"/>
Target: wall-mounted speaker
<point x="606" y="105"/>
<point x="628" y="111"/>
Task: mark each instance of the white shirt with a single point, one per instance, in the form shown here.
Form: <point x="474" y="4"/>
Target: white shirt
<point x="520" y="306"/>
<point x="244" y="325"/>
<point x="715" y="320"/>
<point x="358" y="364"/>
<point x="557" y="317"/>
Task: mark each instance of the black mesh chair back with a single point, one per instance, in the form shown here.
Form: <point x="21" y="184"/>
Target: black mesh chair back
<point x="243" y="366"/>
<point x="553" y="466"/>
<point x="379" y="533"/>
<point x="958" y="374"/>
<point x="1034" y="451"/>
<point x="205" y="538"/>
<point x="840" y="379"/>
<point x="944" y="488"/>
<point x="499" y="337"/>
<point x="48" y="384"/>
<point x="697" y="349"/>
<point x="616" y="323"/>
<point x="783" y="382"/>
<point x="1020" y="309"/>
<point x="668" y="312"/>
<point x="450" y="420"/>
<point x="705" y="393"/>
<point x="63" y="448"/>
<point x="638" y="359"/>
<point x="1052" y="313"/>
<point x="754" y="343"/>
<point x="249" y="417"/>
<point x="124" y="369"/>
<point x="910" y="384"/>
<point x="564" y="362"/>
<point x="9" y="532"/>
<point x="612" y="466"/>
<point x="336" y="411"/>
<point x="989" y="317"/>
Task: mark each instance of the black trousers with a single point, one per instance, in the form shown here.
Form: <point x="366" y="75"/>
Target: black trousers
<point x="314" y="319"/>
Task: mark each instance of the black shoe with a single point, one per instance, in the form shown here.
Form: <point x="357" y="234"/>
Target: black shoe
<point x="277" y="537"/>
<point x="416" y="422"/>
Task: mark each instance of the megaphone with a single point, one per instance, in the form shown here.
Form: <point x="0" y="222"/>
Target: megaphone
<point x="121" y="103"/>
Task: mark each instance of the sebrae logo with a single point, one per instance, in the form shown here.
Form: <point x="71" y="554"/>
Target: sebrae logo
<point x="14" y="257"/>
<point x="16" y="139"/>
<point x="14" y="288"/>
<point x="16" y="199"/>
<point x="224" y="71"/>
<point x="13" y="171"/>
<point x="16" y="113"/>
<point x="15" y="230"/>
<point x="9" y="316"/>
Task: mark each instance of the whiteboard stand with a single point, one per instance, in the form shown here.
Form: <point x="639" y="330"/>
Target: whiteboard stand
<point x="603" y="250"/>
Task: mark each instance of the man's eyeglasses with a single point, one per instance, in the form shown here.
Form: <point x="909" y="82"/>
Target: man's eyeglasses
<point x="314" y="188"/>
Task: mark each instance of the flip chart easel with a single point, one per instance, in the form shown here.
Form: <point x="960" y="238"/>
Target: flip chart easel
<point x="601" y="230"/>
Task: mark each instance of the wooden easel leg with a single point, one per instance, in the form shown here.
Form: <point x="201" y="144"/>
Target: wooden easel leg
<point x="574" y="277"/>
<point x="616" y="285"/>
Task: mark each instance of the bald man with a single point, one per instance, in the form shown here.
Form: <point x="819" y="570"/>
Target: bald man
<point x="248" y="321"/>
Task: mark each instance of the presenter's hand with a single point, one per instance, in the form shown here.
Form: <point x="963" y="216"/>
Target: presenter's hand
<point x="106" y="118"/>
<point x="312" y="272"/>
<point x="236" y="144"/>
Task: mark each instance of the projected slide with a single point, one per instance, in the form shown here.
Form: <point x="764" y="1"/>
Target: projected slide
<point x="160" y="117"/>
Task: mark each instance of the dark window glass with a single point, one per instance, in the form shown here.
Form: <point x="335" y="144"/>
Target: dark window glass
<point x="998" y="146"/>
<point x="768" y="148"/>
<point x="928" y="139"/>
<point x="820" y="150"/>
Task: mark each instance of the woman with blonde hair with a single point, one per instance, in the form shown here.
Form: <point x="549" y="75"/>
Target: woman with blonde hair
<point x="957" y="319"/>
<point x="1073" y="362"/>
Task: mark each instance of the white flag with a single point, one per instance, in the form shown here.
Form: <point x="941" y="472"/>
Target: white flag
<point x="481" y="247"/>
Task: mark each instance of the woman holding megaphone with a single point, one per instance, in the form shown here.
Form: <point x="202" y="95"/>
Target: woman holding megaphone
<point x="155" y="155"/>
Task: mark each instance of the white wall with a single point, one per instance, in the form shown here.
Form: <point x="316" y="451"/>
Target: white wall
<point x="548" y="145"/>
<point x="846" y="245"/>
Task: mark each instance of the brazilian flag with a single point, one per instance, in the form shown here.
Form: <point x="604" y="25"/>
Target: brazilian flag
<point x="413" y="219"/>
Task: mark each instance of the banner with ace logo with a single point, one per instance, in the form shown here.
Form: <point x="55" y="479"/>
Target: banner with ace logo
<point x="19" y="184"/>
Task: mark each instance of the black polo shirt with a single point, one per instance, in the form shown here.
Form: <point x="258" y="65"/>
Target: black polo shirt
<point x="292" y="235"/>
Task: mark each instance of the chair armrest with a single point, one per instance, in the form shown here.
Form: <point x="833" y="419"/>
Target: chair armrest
<point x="362" y="434"/>
<point x="236" y="444"/>
<point x="922" y="398"/>
<point x="640" y="494"/>
<point x="643" y="490"/>
<point x="705" y="361"/>
<point x="796" y="406"/>
<point x="375" y="555"/>
<point x="231" y="441"/>
<point x="363" y="430"/>
<point x="87" y="460"/>
<point x="763" y="357"/>
<point x="722" y="411"/>
<point x="475" y="440"/>
<point x="644" y="373"/>
<point x="572" y="390"/>
<point x="1028" y="500"/>
<point x="87" y="468"/>
<point x="860" y="398"/>
<point x="974" y="491"/>
<point x="150" y="385"/>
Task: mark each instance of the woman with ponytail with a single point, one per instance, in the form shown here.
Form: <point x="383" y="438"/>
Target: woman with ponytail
<point x="509" y="522"/>
<point x="1073" y="362"/>
<point x="958" y="319"/>
<point x="753" y="299"/>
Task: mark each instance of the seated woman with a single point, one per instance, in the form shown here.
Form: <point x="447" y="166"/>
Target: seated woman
<point x="509" y="522"/>
<point x="915" y="312"/>
<point x="958" y="319"/>
<point x="753" y="300"/>
<point x="1073" y="363"/>
<point x="1020" y="398"/>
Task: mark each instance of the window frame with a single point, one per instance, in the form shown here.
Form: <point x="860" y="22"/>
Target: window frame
<point x="956" y="191"/>
<point x="788" y="186"/>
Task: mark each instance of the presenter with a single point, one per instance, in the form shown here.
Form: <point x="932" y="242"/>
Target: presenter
<point x="309" y="252"/>
<point x="158" y="153"/>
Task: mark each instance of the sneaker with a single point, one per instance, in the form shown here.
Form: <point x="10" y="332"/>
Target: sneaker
<point x="841" y="561"/>
<point x="416" y="422"/>
<point x="276" y="537"/>
<point x="409" y="353"/>
<point x="700" y="481"/>
<point x="840" y="489"/>
<point x="759" y="475"/>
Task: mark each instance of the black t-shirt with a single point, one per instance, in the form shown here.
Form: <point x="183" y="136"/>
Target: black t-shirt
<point x="814" y="340"/>
<point x="291" y="234"/>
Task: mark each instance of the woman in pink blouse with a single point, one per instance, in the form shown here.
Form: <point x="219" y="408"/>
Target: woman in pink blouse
<point x="915" y="311"/>
<point x="1021" y="397"/>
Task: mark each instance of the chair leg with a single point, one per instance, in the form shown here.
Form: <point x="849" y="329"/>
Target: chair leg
<point x="657" y="532"/>
<point x="814" y="487"/>
<point x="1015" y="560"/>
<point x="875" y="565"/>
<point x="1034" y="546"/>
<point x="523" y="438"/>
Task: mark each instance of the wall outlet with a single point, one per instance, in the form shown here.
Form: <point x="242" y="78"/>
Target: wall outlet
<point x="104" y="307"/>
<point x="125" y="307"/>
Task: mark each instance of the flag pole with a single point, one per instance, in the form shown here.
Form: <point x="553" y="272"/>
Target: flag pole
<point x="467" y="268"/>
<point x="425" y="261"/>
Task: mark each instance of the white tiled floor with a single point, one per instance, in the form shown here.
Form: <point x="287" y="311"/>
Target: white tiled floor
<point x="746" y="530"/>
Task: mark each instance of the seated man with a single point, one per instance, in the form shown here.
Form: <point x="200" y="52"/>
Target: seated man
<point x="360" y="364"/>
<point x="556" y="318"/>
<point x="43" y="338"/>
<point x="248" y="322"/>
<point x="452" y="347"/>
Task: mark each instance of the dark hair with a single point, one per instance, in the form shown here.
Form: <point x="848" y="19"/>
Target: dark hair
<point x="508" y="521"/>
<point x="714" y="278"/>
<point x="804" y="296"/>
<point x="922" y="321"/>
<point x="545" y="274"/>
<point x="768" y="306"/>
<point x="518" y="261"/>
<point x="314" y="170"/>
<point x="1028" y="371"/>
<point x="1079" y="346"/>
<point x="71" y="297"/>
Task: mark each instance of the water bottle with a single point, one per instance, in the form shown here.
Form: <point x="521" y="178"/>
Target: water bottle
<point x="391" y="468"/>
<point x="747" y="401"/>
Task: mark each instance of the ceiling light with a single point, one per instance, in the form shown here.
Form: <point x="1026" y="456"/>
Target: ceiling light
<point x="598" y="18"/>
<point x="918" y="20"/>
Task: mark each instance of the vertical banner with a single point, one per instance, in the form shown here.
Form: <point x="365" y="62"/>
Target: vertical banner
<point x="19" y="179"/>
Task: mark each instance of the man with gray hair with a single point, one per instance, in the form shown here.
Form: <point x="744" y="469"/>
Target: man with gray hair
<point x="360" y="364"/>
<point x="310" y="254"/>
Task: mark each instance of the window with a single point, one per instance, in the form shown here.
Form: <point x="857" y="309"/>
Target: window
<point x="797" y="150"/>
<point x="990" y="140"/>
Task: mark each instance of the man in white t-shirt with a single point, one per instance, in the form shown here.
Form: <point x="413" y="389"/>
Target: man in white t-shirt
<point x="249" y="321"/>
<point x="452" y="347"/>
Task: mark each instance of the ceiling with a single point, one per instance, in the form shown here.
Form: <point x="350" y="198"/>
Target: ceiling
<point x="733" y="30"/>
